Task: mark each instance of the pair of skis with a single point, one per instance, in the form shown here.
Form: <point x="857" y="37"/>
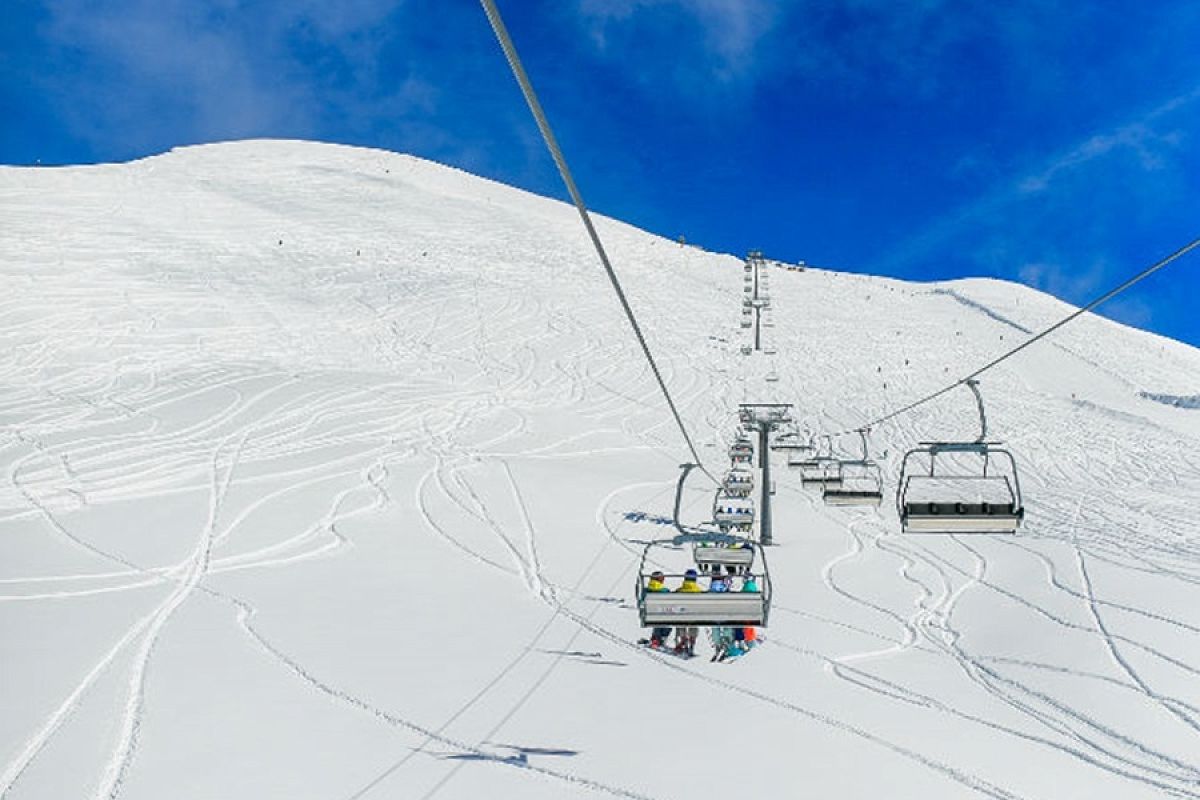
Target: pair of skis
<point x="724" y="654"/>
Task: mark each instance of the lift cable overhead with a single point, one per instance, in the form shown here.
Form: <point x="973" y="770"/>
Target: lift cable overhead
<point x="1182" y="251"/>
<point x="514" y="61"/>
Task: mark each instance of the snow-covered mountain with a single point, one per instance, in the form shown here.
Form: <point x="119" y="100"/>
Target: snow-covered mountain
<point x="323" y="467"/>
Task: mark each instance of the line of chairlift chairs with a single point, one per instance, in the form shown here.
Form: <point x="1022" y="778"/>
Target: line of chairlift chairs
<point x="724" y="551"/>
<point x="945" y="487"/>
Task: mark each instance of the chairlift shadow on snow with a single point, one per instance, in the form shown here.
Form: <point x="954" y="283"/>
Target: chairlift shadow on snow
<point x="519" y="755"/>
<point x="695" y="535"/>
<point x="585" y="657"/>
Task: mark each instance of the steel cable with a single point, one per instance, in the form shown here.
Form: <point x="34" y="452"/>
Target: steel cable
<point x="514" y="61"/>
<point x="1182" y="251"/>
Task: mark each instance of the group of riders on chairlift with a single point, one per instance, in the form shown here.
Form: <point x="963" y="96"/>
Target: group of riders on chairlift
<point x="728" y="641"/>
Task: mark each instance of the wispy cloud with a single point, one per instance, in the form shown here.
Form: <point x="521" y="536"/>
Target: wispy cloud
<point x="1086" y="179"/>
<point x="1141" y="138"/>
<point x="707" y="39"/>
<point x="214" y="70"/>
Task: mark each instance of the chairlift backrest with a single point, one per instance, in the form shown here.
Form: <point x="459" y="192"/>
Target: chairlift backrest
<point x="747" y="603"/>
<point x="959" y="500"/>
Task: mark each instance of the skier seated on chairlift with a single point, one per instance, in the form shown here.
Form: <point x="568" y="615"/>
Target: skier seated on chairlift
<point x="745" y="638"/>
<point x="658" y="636"/>
<point x="685" y="635"/>
<point x="722" y="637"/>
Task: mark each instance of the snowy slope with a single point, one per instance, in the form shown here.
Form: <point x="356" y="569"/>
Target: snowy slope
<point x="320" y="464"/>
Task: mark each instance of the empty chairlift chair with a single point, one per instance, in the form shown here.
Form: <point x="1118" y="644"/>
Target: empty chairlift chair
<point x="821" y="469"/>
<point x="799" y="455"/>
<point x="960" y="487"/>
<point x="861" y="484"/>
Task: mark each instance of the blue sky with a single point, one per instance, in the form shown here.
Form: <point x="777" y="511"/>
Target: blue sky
<point x="1056" y="144"/>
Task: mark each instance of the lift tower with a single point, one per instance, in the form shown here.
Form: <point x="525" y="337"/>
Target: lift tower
<point x="764" y="418"/>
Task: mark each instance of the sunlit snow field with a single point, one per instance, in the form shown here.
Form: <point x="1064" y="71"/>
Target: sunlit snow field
<point x="321" y="470"/>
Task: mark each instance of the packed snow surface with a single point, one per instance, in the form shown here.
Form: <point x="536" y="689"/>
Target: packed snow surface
<point x="329" y="472"/>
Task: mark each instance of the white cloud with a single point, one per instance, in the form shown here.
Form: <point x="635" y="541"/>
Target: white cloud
<point x="1139" y="137"/>
<point x="1000" y="224"/>
<point x="726" y="32"/>
<point x="210" y="70"/>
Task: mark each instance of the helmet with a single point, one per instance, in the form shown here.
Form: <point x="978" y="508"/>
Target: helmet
<point x="657" y="575"/>
<point x="690" y="575"/>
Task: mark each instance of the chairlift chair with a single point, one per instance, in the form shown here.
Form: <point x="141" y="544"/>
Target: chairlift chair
<point x="821" y="469"/>
<point x="723" y="556"/>
<point x="735" y="608"/>
<point x="738" y="482"/>
<point x="861" y="482"/>
<point x="799" y="455"/>
<point x="733" y="513"/>
<point x="741" y="451"/>
<point x="964" y="487"/>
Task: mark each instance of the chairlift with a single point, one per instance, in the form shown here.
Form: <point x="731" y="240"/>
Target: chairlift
<point x="798" y="456"/>
<point x="731" y="557"/>
<point x="772" y="376"/>
<point x="861" y="481"/>
<point x="734" y="608"/>
<point x="962" y="487"/>
<point x="741" y="454"/>
<point x="738" y="482"/>
<point x="733" y="513"/>
<point x="821" y="469"/>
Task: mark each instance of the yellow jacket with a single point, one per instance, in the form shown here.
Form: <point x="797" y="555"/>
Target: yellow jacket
<point x="689" y="585"/>
<point x="656" y="586"/>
